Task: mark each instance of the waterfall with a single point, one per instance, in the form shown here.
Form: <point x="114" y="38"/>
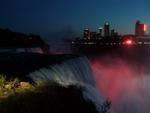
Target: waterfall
<point x="76" y="72"/>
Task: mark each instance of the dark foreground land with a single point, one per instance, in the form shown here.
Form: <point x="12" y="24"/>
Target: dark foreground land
<point x="47" y="99"/>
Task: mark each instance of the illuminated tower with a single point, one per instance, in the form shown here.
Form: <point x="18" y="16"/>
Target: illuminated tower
<point x="106" y="29"/>
<point x="140" y="29"/>
<point x="86" y="34"/>
<point x="112" y="32"/>
<point x="100" y="31"/>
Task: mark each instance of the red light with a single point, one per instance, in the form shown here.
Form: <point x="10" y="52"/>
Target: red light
<point x="128" y="42"/>
<point x="145" y="28"/>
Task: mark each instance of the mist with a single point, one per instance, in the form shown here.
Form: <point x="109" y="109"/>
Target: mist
<point x="124" y="82"/>
<point x="57" y="39"/>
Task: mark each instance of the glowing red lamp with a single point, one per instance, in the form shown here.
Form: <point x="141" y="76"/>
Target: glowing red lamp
<point x="128" y="42"/>
<point x="145" y="27"/>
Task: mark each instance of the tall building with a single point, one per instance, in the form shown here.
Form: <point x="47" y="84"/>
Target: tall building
<point x="112" y="32"/>
<point x="86" y="34"/>
<point x="99" y="34"/>
<point x="140" y="28"/>
<point x="106" y="29"/>
<point x="93" y="35"/>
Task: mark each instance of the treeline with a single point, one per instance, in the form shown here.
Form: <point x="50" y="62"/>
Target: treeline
<point x="10" y="39"/>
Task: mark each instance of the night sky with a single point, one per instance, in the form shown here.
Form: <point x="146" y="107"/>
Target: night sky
<point x="47" y="17"/>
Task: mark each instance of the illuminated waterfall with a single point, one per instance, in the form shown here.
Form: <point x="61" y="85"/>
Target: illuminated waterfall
<point x="76" y="72"/>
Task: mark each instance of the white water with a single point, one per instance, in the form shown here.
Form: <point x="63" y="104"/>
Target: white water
<point x="72" y="72"/>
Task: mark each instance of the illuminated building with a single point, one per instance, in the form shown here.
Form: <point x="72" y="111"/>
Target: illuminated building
<point x="89" y="35"/>
<point x="114" y="33"/>
<point x="86" y="34"/>
<point x="106" y="39"/>
<point x="93" y="35"/>
<point x="140" y="29"/>
<point x="100" y="31"/>
<point x="106" y="29"/>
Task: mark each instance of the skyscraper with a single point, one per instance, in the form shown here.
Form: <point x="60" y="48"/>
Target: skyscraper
<point x="86" y="34"/>
<point x="106" y="29"/>
<point x="99" y="34"/>
<point x="140" y="29"/>
<point x="100" y="29"/>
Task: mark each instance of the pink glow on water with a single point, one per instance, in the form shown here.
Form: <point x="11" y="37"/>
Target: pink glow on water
<point x="123" y="83"/>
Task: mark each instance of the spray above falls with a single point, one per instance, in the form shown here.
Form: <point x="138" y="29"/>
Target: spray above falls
<point x="124" y="82"/>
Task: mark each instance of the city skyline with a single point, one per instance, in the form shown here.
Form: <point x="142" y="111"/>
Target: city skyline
<point x="44" y="16"/>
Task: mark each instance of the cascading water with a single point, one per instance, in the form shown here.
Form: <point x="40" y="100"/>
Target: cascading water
<point x="72" y="72"/>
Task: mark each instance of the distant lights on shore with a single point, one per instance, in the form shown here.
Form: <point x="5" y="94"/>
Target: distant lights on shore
<point x="87" y="29"/>
<point x="100" y="28"/>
